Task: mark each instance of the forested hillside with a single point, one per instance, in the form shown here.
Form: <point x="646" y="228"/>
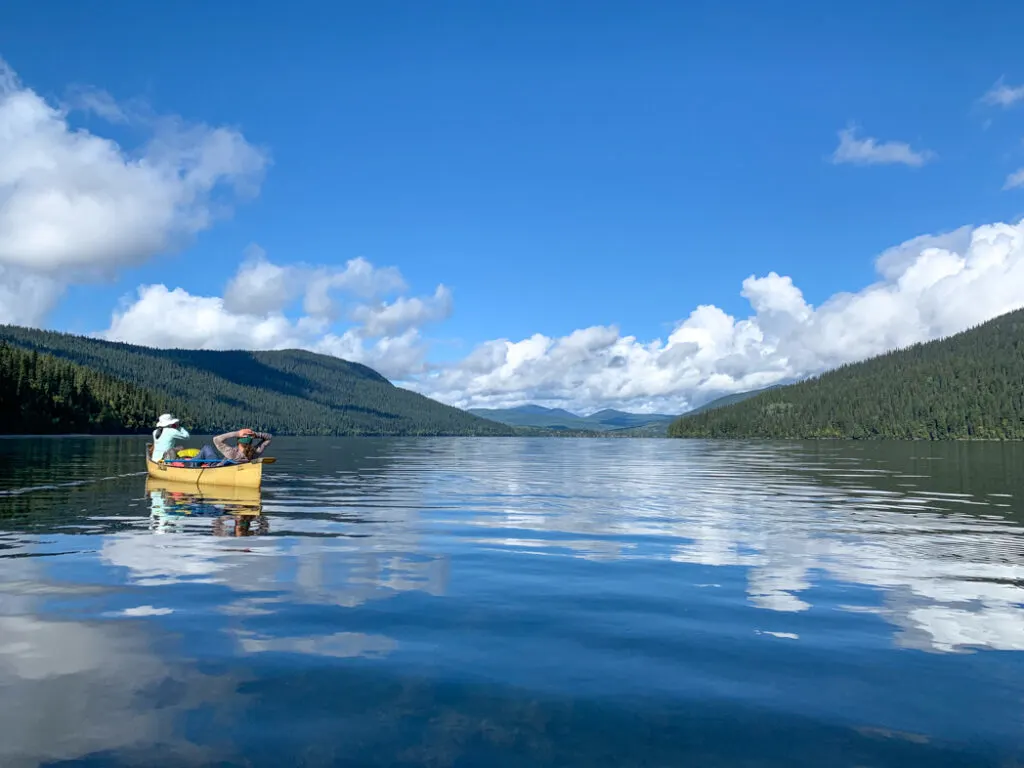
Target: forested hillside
<point x="967" y="386"/>
<point x="42" y="394"/>
<point x="284" y="392"/>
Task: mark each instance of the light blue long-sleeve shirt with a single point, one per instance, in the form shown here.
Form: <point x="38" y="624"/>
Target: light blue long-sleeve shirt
<point x="164" y="443"/>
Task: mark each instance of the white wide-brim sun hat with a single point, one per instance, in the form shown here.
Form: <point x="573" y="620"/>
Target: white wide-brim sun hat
<point x="166" y="420"/>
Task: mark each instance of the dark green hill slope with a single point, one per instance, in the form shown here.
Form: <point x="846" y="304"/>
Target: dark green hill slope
<point x="967" y="386"/>
<point x="285" y="392"/>
<point x="42" y="394"/>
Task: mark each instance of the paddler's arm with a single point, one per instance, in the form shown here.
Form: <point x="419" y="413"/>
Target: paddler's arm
<point x="265" y="437"/>
<point x="220" y="443"/>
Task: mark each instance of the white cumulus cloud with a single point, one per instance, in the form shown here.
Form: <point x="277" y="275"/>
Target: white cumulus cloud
<point x="359" y="278"/>
<point x="75" y="206"/>
<point x="929" y="287"/>
<point x="252" y="314"/>
<point x="387" y="319"/>
<point x="26" y="296"/>
<point x="162" y="317"/>
<point x="259" y="285"/>
<point x="267" y="286"/>
<point x="871" y="151"/>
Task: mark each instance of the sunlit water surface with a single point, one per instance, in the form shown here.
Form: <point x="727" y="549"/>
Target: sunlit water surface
<point x="516" y="602"/>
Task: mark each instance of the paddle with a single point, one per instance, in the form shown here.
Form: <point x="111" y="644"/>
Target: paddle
<point x="268" y="460"/>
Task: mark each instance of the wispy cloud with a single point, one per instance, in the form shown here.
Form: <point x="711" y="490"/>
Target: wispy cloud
<point x="871" y="151"/>
<point x="97" y="101"/>
<point x="1003" y="95"/>
<point x="1015" y="180"/>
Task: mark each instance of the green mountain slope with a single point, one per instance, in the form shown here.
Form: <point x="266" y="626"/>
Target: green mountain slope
<point x="42" y="394"/>
<point x="967" y="386"/>
<point x="562" y="420"/>
<point x="284" y="392"/>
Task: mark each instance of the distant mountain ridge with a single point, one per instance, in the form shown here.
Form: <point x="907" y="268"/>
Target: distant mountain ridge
<point x="607" y="420"/>
<point x="285" y="392"/>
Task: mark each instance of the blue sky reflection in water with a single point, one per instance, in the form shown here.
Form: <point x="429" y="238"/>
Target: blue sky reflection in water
<point x="516" y="602"/>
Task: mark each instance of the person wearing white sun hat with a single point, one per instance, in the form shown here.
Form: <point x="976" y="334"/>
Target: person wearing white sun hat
<point x="168" y="430"/>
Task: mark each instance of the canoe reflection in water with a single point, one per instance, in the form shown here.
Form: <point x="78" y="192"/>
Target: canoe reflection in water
<point x="233" y="511"/>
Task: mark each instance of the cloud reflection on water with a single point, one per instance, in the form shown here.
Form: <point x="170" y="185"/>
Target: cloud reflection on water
<point x="77" y="687"/>
<point x="789" y="519"/>
<point x="666" y="548"/>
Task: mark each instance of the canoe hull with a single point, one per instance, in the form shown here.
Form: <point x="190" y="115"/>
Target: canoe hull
<point x="248" y="475"/>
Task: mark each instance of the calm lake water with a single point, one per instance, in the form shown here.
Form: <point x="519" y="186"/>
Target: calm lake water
<point x="516" y="602"/>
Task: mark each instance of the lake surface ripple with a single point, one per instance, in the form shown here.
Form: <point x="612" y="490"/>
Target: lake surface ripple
<point x="516" y="602"/>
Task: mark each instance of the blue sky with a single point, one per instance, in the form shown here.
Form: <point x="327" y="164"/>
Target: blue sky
<point x="557" y="168"/>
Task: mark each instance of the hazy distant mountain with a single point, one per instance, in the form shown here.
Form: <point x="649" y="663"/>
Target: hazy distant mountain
<point x="541" y="410"/>
<point x="612" y="419"/>
<point x="560" y="419"/>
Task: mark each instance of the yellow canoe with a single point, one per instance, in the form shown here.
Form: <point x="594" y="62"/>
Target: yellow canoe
<point x="249" y="475"/>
